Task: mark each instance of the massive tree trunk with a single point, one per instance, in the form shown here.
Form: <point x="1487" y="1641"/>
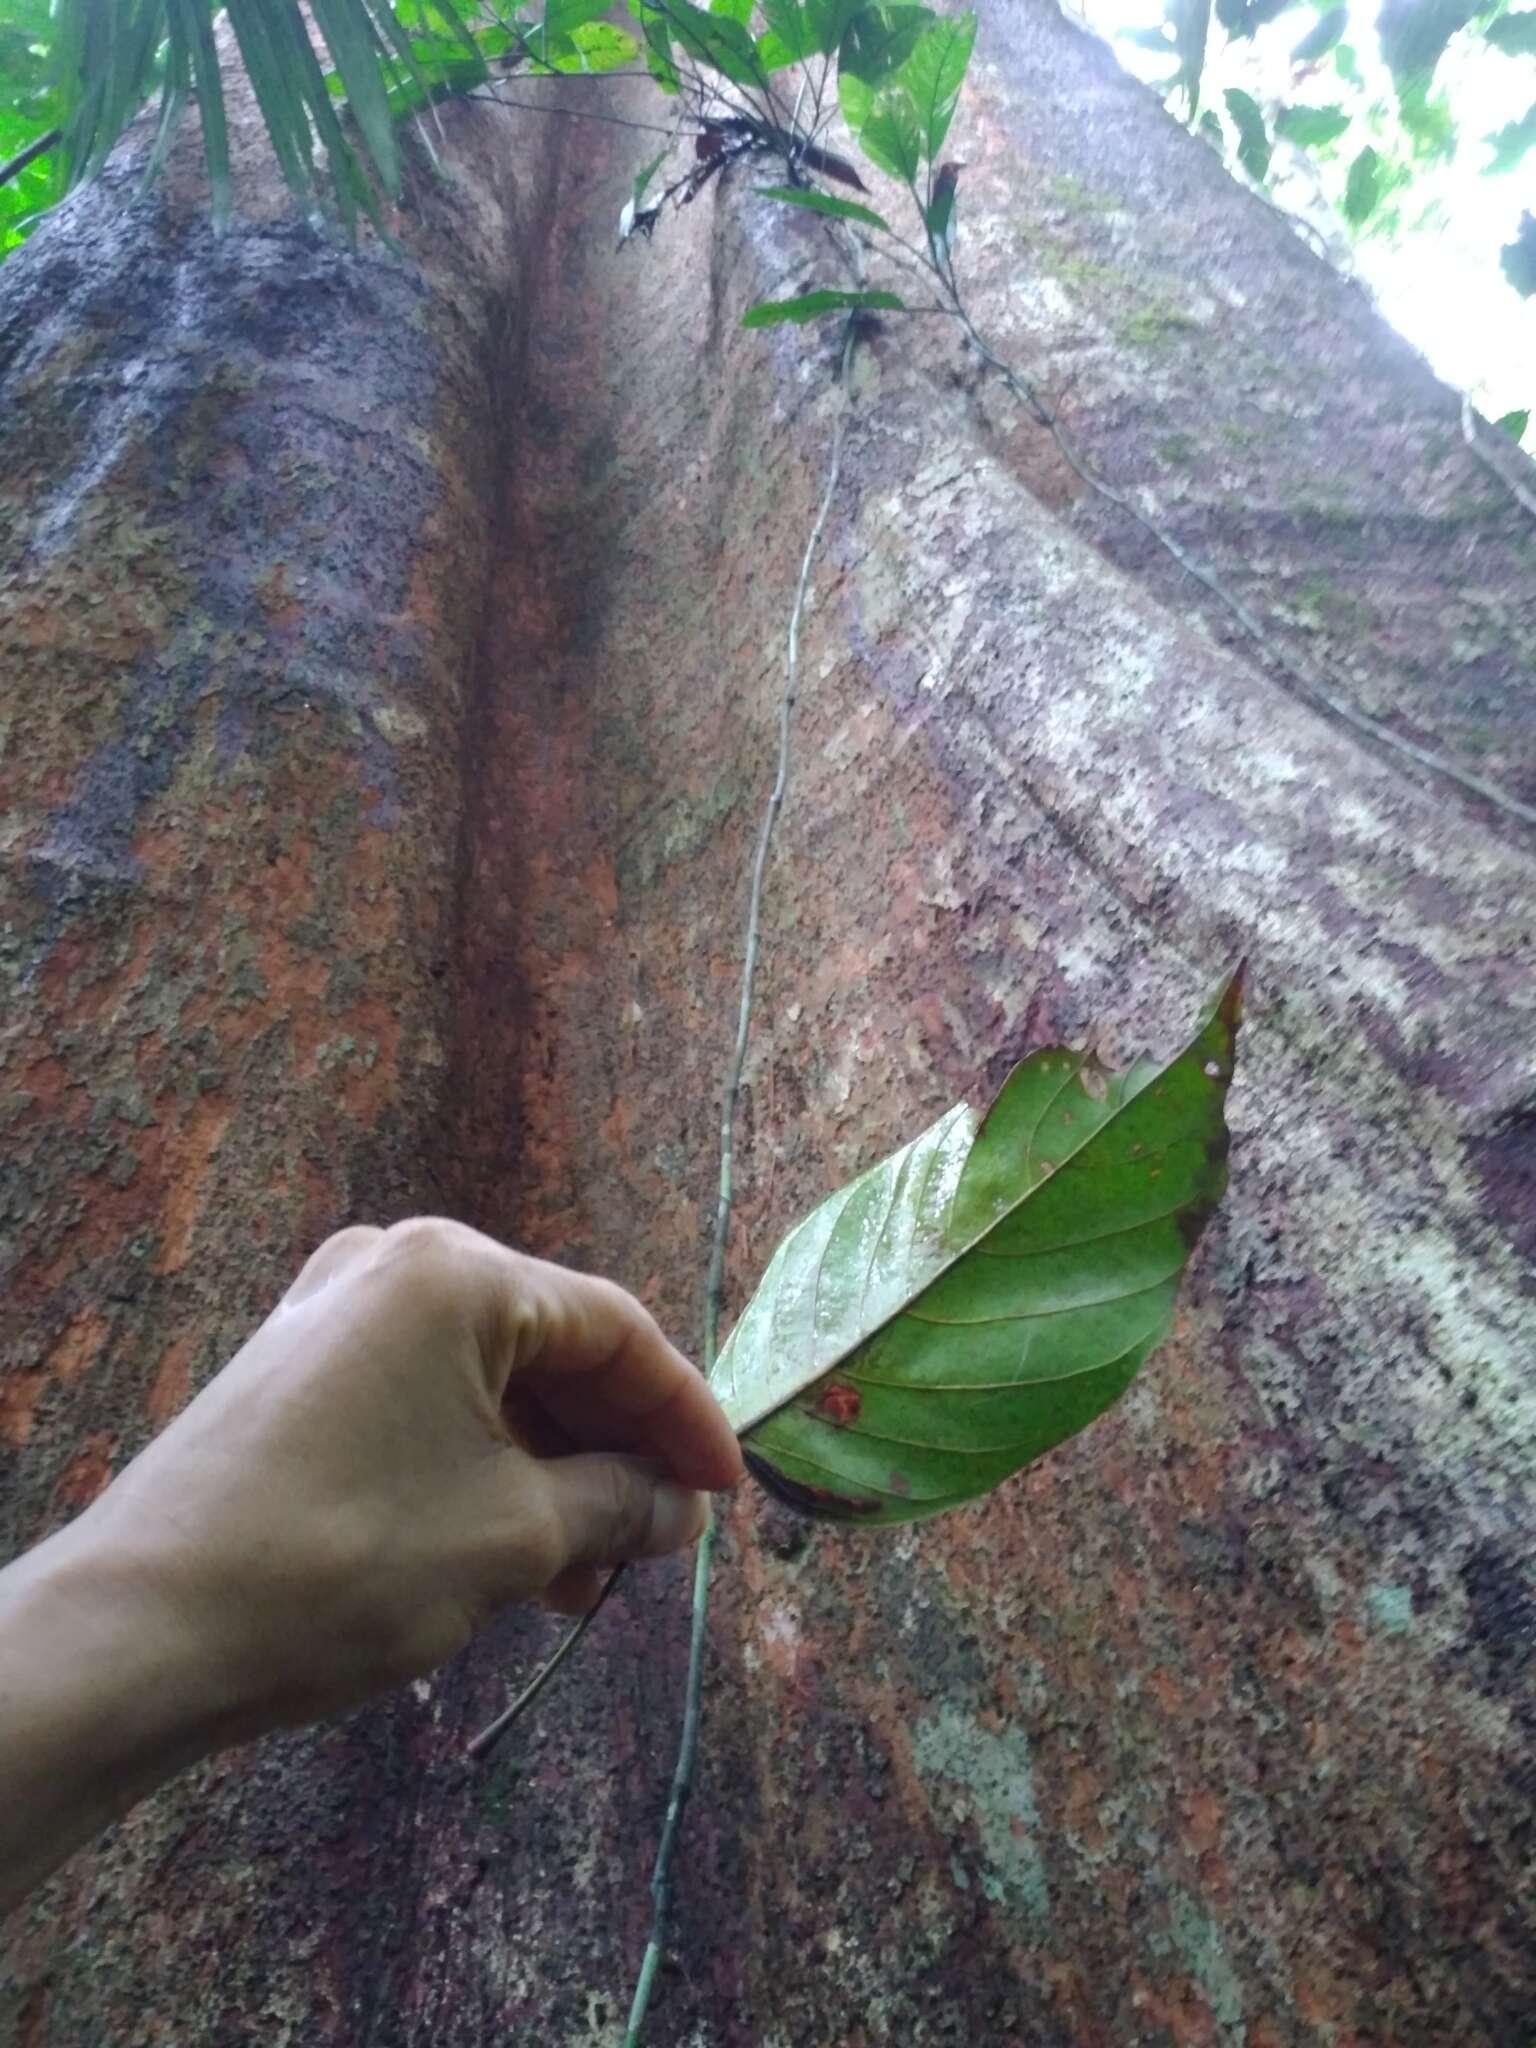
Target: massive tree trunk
<point x="392" y="652"/>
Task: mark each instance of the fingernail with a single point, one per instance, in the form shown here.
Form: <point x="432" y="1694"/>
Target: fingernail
<point x="677" y="1517"/>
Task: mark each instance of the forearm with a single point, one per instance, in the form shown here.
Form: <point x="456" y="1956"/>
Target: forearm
<point x="100" y="1701"/>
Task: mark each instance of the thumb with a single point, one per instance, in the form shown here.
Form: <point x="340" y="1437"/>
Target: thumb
<point x="608" y="1510"/>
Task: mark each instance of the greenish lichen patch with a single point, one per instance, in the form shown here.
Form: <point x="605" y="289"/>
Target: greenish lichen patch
<point x="991" y="1781"/>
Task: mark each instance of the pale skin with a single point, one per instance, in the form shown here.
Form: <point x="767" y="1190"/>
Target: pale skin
<point x="428" y="1427"/>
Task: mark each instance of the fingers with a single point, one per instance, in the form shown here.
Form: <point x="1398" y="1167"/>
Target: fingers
<point x="605" y="1511"/>
<point x="600" y="1365"/>
<point x="576" y="1590"/>
<point x="343" y="1248"/>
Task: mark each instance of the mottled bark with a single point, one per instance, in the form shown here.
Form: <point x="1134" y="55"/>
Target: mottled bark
<point x="1216" y="1728"/>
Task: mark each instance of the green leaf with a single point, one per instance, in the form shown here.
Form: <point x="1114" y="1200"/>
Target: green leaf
<point x="354" y="43"/>
<point x="190" y="21"/>
<point x="1414" y="33"/>
<point x="827" y="22"/>
<point x="880" y="40"/>
<point x="1514" y="423"/>
<point x="658" y="45"/>
<point x="644" y="176"/>
<point x="736" y="10"/>
<point x="596" y="47"/>
<point x="774" y="54"/>
<point x="1191" y="22"/>
<point x="934" y="74"/>
<point x="1312" y="127"/>
<point x="1211" y="129"/>
<point x="1511" y="142"/>
<point x="714" y="39"/>
<point x="789" y="30"/>
<point x="811" y="305"/>
<point x="823" y="202"/>
<point x="1515" y="33"/>
<point x="1324" y="33"/>
<point x="983" y="1293"/>
<point x="1427" y="121"/>
<point x="890" y="136"/>
<point x="1362" y="188"/>
<point x="1253" y="146"/>
<point x="1517" y="259"/>
<point x="1347" y="64"/>
<point x="1243" y="17"/>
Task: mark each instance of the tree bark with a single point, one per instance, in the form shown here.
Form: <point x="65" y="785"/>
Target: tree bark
<point x="1216" y="1727"/>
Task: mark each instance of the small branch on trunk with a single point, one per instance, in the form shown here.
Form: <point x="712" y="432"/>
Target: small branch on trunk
<point x="15" y="165"/>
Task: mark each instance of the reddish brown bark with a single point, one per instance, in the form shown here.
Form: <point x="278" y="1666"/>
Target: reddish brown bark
<point x="1215" y="1729"/>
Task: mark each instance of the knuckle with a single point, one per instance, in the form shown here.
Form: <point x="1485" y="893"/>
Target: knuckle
<point x="625" y="1509"/>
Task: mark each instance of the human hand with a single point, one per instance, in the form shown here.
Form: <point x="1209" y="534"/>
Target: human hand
<point x="426" y="1427"/>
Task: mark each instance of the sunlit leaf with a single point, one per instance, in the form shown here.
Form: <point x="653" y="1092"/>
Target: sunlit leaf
<point x="1511" y="142"/>
<point x="738" y="10"/>
<point x="812" y="305"/>
<point x="1244" y="17"/>
<point x="1427" y="120"/>
<point x="1253" y="147"/>
<point x="987" y="1290"/>
<point x="934" y="74"/>
<point x="1362" y="188"/>
<point x="1190" y="21"/>
<point x="889" y="135"/>
<point x="598" y="46"/>
<point x="1514" y="423"/>
<point x="1414" y="33"/>
<point x="789" y="30"/>
<point x="1324" y="33"/>
<point x="1517" y="259"/>
<point x="1514" y="33"/>
<point x="1312" y="127"/>
<point x="823" y="202"/>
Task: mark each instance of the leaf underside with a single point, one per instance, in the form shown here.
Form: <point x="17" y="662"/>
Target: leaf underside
<point x="983" y="1293"/>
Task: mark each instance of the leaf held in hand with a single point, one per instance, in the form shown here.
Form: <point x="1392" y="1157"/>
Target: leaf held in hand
<point x="987" y="1290"/>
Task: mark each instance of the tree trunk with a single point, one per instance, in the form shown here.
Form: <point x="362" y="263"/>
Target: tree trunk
<point x="395" y="652"/>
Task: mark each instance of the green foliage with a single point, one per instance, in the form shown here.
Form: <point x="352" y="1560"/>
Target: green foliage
<point x="1253" y="144"/>
<point x="902" y="122"/>
<point x="984" y="1292"/>
<point x="1511" y="142"/>
<point x="1514" y="33"/>
<point x="823" y="202"/>
<point x="1325" y="32"/>
<point x="1514" y="423"/>
<point x="1312" y="127"/>
<point x="1190" y="21"/>
<point x="814" y="305"/>
<point x="1362" y="191"/>
<point x="1517" y="259"/>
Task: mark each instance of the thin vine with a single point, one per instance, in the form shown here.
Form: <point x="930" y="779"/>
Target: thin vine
<point x="714" y="1290"/>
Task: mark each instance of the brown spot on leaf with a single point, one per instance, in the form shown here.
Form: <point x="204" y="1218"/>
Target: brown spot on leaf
<point x="840" y="1404"/>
